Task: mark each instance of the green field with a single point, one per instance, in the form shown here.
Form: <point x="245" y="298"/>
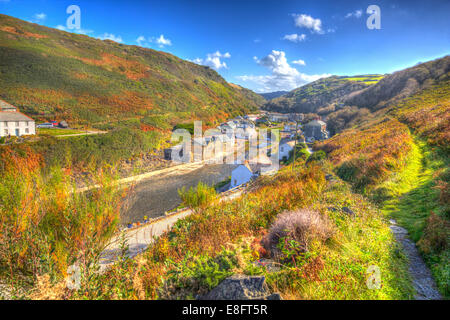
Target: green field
<point x="57" y="131"/>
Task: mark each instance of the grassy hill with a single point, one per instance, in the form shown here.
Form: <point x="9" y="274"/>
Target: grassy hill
<point x="401" y="84"/>
<point x="51" y="74"/>
<point x="320" y="94"/>
<point x="398" y="155"/>
<point x="273" y="95"/>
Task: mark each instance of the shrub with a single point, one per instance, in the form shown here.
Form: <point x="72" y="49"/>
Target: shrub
<point x="436" y="235"/>
<point x="303" y="226"/>
<point x="198" y="198"/>
<point x="44" y="225"/>
<point x="317" y="156"/>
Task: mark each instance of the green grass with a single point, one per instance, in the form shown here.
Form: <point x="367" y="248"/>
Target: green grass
<point x="366" y="79"/>
<point x="411" y="197"/>
<point x="57" y="131"/>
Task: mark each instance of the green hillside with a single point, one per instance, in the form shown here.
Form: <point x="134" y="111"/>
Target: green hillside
<point x="320" y="94"/>
<point x="50" y="74"/>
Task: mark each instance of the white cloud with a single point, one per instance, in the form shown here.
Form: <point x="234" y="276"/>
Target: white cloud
<point x="282" y="77"/>
<point x="300" y="62"/>
<point x="306" y="21"/>
<point x="257" y="40"/>
<point x="213" y="60"/>
<point x="78" y="31"/>
<point x="356" y="14"/>
<point x="161" y="41"/>
<point x="110" y="36"/>
<point x="140" y="40"/>
<point x="40" y="16"/>
<point x="295" y="37"/>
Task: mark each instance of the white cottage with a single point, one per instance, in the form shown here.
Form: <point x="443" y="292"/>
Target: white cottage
<point x="241" y="175"/>
<point x="285" y="148"/>
<point x="14" y="123"/>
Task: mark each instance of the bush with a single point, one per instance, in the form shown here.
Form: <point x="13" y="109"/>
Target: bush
<point x="44" y="225"/>
<point x="317" y="156"/>
<point x="199" y="198"/>
<point x="303" y="226"/>
<point x="436" y="235"/>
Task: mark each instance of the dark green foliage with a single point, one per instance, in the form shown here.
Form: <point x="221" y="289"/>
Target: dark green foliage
<point x="317" y="156"/>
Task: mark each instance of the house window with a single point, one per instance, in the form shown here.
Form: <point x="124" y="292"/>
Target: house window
<point x="17" y="123"/>
<point x="235" y="182"/>
<point x="6" y="131"/>
<point x="27" y="130"/>
<point x="282" y="149"/>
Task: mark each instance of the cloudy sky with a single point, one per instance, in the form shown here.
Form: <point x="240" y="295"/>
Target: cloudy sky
<point x="263" y="45"/>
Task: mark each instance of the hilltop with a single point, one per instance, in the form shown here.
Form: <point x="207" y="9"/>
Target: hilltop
<point x="273" y="95"/>
<point x="320" y="94"/>
<point x="50" y="74"/>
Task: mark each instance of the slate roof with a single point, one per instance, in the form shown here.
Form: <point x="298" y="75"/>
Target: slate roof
<point x="6" y="106"/>
<point x="13" y="116"/>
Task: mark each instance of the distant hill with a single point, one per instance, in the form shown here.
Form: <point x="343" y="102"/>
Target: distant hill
<point x="273" y="95"/>
<point x="320" y="94"/>
<point x="401" y="84"/>
<point x="52" y="74"/>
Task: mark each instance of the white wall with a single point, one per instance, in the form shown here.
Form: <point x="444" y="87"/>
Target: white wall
<point x="240" y="175"/>
<point x="11" y="126"/>
<point x="284" y="150"/>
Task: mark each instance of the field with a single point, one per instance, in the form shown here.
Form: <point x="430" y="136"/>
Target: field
<point x="57" y="131"/>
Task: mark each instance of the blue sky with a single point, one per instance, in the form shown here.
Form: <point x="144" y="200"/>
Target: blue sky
<point x="264" y="45"/>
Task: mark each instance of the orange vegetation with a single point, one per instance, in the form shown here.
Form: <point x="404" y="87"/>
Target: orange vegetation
<point x="367" y="156"/>
<point x="132" y="69"/>
<point x="22" y="33"/>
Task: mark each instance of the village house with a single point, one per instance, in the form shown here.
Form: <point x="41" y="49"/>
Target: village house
<point x="251" y="117"/>
<point x="285" y="149"/>
<point x="296" y="117"/>
<point x="315" y="130"/>
<point x="245" y="172"/>
<point x="14" y="123"/>
<point x="278" y="117"/>
<point x="174" y="152"/>
<point x="242" y="174"/>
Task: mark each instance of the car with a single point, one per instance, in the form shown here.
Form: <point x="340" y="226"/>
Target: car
<point x="46" y="125"/>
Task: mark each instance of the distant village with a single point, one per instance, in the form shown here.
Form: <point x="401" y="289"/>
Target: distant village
<point x="14" y="123"/>
<point x="235" y="133"/>
<point x="239" y="130"/>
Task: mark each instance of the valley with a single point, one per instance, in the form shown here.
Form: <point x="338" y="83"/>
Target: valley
<point x="358" y="208"/>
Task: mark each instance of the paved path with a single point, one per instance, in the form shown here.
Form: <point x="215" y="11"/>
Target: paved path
<point x="140" y="238"/>
<point x="422" y="279"/>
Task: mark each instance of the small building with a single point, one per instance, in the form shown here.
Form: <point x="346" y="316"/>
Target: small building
<point x="315" y="130"/>
<point x="296" y="117"/>
<point x="14" y="123"/>
<point x="173" y="152"/>
<point x="290" y="127"/>
<point x="278" y="117"/>
<point x="241" y="174"/>
<point x="285" y="149"/>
